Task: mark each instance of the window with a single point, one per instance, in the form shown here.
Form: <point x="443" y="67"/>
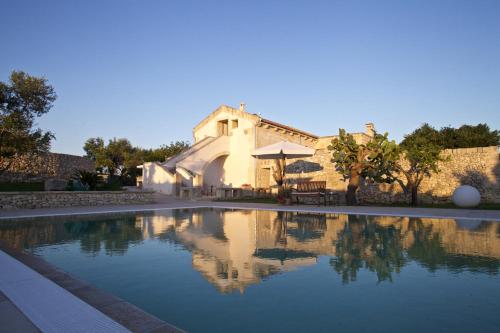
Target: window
<point x="222" y="127"/>
<point x="234" y="123"/>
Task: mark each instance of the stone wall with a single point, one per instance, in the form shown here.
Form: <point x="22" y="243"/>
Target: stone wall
<point x="13" y="200"/>
<point x="479" y="167"/>
<point x="266" y="136"/>
<point x="317" y="167"/>
<point x="43" y="167"/>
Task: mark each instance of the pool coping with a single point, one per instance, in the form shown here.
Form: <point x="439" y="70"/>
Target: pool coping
<point x="439" y="213"/>
<point x="122" y="312"/>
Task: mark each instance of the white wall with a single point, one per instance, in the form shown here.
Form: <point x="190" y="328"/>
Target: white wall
<point x="214" y="174"/>
<point x="157" y="178"/>
<point x="238" y="167"/>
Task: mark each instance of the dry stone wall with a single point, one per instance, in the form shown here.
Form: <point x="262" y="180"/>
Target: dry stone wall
<point x="13" y="200"/>
<point x="43" y="167"/>
<point x="479" y="167"/>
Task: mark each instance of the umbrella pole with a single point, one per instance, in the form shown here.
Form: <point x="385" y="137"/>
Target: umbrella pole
<point x="284" y="171"/>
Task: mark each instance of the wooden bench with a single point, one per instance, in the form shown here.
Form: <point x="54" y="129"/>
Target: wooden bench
<point x="315" y="189"/>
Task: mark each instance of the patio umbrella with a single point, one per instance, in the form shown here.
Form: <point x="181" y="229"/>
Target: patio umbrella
<point x="283" y="150"/>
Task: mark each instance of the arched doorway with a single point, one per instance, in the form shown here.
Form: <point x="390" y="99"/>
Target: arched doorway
<point x="213" y="175"/>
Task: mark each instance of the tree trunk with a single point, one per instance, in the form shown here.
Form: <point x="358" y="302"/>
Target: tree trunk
<point x="352" y="187"/>
<point x="414" y="195"/>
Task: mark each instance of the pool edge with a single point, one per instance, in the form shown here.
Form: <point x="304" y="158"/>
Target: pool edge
<point x="438" y="213"/>
<point x="126" y="314"/>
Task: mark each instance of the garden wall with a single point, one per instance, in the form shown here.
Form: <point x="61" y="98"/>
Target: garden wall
<point x="478" y="167"/>
<point x="42" y="167"/>
<point x="12" y="200"/>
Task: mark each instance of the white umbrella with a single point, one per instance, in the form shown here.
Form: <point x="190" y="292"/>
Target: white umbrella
<point x="283" y="150"/>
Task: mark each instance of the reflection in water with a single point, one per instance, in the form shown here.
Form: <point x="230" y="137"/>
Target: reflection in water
<point x="233" y="249"/>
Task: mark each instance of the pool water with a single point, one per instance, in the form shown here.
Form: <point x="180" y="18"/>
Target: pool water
<point x="266" y="271"/>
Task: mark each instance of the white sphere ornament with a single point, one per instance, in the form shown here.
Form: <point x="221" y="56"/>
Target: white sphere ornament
<point x="466" y="196"/>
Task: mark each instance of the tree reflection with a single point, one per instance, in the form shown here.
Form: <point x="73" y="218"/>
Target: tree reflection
<point x="384" y="249"/>
<point x="233" y="249"/>
<point x="429" y="251"/>
<point x="114" y="236"/>
<point x="364" y="244"/>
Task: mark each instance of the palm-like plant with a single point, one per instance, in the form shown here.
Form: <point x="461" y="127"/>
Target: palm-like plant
<point x="87" y="178"/>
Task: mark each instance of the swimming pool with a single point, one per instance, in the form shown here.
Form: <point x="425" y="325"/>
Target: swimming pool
<point x="253" y="270"/>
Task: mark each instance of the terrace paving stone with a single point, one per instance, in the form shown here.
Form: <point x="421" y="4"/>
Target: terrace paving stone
<point x="42" y="302"/>
<point x="37" y="264"/>
<point x="166" y="329"/>
<point x="132" y="317"/>
<point x="167" y="202"/>
<point x="13" y="320"/>
<point x="66" y="280"/>
<point x="95" y="297"/>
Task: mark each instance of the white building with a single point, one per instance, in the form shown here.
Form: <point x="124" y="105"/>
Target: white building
<point x="221" y="155"/>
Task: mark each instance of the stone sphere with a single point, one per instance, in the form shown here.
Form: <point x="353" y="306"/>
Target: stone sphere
<point x="466" y="196"/>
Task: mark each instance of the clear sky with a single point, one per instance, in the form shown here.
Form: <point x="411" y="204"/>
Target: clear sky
<point x="150" y="70"/>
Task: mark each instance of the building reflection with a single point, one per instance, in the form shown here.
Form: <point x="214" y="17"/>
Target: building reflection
<point x="234" y="249"/>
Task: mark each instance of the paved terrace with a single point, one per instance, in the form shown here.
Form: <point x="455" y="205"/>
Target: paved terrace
<point x="166" y="202"/>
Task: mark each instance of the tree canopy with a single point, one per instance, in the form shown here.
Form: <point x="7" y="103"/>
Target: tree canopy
<point x="421" y="154"/>
<point x="119" y="157"/>
<point x="23" y="99"/>
<point x="422" y="148"/>
<point x="466" y="136"/>
<point x="372" y="161"/>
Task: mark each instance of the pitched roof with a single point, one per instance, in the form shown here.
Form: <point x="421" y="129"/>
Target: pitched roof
<point x="286" y="127"/>
<point x="255" y="117"/>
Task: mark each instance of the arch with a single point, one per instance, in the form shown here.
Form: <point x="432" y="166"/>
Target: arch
<point x="198" y="160"/>
<point x="213" y="158"/>
<point x="213" y="175"/>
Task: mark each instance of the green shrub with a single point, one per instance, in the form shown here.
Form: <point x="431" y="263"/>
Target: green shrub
<point x="111" y="185"/>
<point x="89" y="180"/>
<point x="21" y="187"/>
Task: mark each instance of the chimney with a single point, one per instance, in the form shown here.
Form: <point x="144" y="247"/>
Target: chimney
<point x="243" y="107"/>
<point x="370" y="129"/>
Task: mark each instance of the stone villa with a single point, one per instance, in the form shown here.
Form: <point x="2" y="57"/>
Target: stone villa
<point x="221" y="155"/>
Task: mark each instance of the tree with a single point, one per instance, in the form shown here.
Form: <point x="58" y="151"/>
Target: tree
<point x="120" y="158"/>
<point x="279" y="172"/>
<point x="420" y="157"/>
<point x="165" y="151"/>
<point x="468" y="136"/>
<point x="173" y="148"/>
<point x="118" y="153"/>
<point x="373" y="161"/>
<point x="23" y="99"/>
<point x="95" y="149"/>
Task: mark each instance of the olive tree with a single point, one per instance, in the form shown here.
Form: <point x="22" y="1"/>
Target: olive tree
<point x="374" y="161"/>
<point x="421" y="155"/>
<point x="23" y="99"/>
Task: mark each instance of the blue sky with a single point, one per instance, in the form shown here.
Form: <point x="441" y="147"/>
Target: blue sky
<point x="150" y="70"/>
